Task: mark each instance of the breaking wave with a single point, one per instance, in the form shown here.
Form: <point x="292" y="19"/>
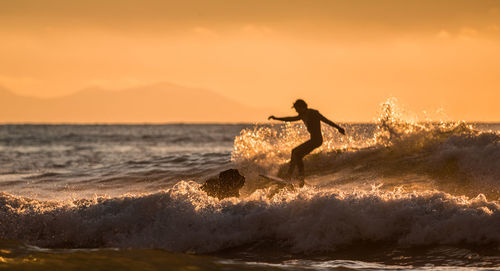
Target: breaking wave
<point x="310" y="220"/>
<point x="451" y="154"/>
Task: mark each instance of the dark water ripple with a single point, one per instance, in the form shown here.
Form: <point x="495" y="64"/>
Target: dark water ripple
<point x="70" y="154"/>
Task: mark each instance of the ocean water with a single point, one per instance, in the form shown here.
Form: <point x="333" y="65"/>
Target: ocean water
<point x="390" y="195"/>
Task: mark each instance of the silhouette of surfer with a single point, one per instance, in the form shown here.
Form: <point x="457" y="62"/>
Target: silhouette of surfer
<point x="312" y="119"/>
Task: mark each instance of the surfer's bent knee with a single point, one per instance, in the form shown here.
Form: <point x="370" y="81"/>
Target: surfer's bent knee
<point x="295" y="154"/>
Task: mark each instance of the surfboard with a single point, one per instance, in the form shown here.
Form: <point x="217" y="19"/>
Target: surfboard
<point x="277" y="180"/>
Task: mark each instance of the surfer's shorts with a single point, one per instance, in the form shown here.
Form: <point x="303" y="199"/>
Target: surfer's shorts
<point x="305" y="148"/>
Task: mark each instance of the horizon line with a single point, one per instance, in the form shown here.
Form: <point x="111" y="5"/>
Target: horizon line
<point x="216" y="123"/>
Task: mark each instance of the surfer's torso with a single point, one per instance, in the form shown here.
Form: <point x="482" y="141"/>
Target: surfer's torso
<point x="312" y="120"/>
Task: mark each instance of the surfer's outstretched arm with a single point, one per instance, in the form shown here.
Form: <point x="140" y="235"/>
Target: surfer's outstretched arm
<point x="331" y="123"/>
<point x="296" y="118"/>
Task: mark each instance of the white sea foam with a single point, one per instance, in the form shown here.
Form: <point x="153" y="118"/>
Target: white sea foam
<point x="185" y="219"/>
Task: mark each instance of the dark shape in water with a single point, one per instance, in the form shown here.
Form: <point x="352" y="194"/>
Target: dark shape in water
<point x="228" y="184"/>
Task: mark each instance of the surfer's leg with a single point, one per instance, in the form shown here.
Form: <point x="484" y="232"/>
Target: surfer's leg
<point x="296" y="159"/>
<point x="298" y="154"/>
<point x="291" y="167"/>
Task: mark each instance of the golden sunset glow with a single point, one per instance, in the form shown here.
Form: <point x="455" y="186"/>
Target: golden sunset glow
<point x="343" y="57"/>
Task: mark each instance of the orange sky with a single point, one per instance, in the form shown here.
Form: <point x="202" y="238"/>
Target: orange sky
<point x="343" y="57"/>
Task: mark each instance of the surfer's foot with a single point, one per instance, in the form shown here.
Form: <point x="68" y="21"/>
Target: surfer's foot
<point x="301" y="181"/>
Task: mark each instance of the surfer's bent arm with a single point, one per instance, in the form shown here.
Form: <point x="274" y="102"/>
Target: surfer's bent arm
<point x="331" y="123"/>
<point x="296" y="118"/>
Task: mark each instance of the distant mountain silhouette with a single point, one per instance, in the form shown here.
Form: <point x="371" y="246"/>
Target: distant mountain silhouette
<point x="158" y="103"/>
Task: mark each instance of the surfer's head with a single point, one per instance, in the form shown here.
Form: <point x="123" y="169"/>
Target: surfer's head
<point x="300" y="106"/>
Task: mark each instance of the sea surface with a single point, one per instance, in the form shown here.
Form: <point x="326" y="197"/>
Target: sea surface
<point x="390" y="195"/>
